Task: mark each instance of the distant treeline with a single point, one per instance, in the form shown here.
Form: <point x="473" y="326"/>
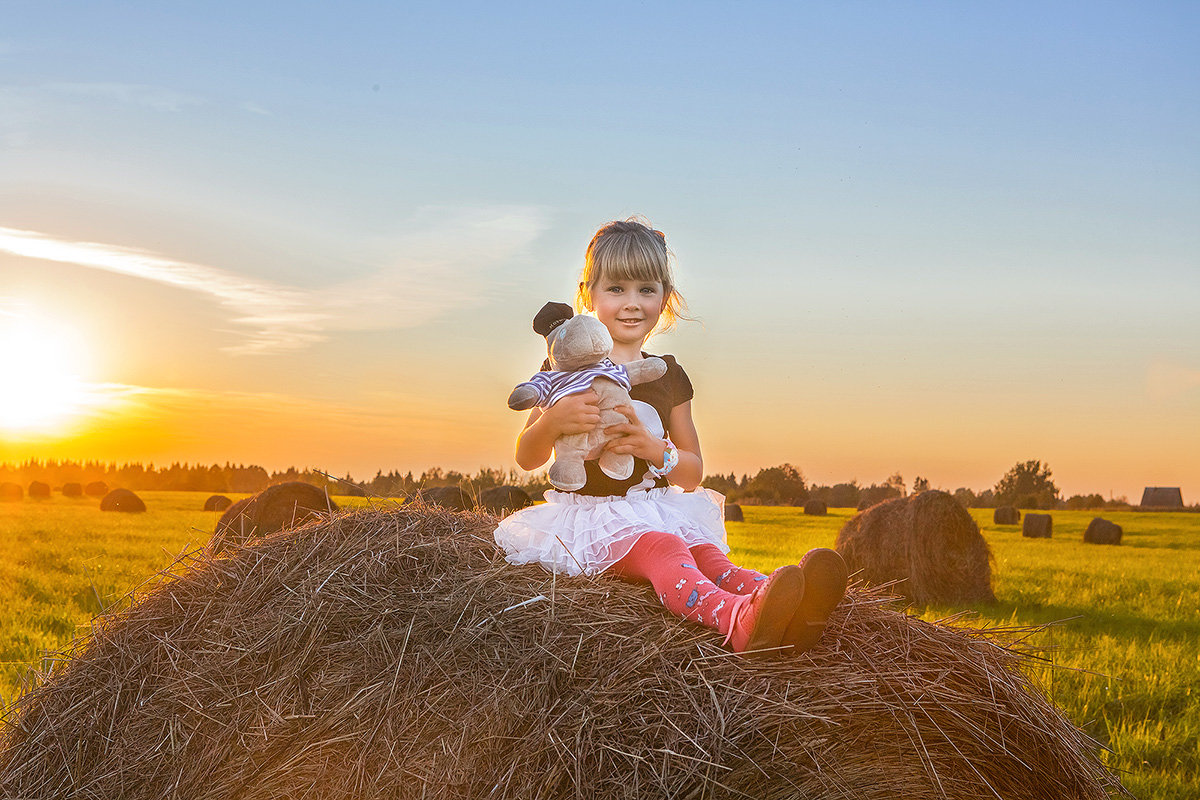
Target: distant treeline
<point x="1026" y="485"/>
<point x="253" y="478"/>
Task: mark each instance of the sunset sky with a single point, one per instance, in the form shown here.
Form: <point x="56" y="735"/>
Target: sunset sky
<point x="932" y="238"/>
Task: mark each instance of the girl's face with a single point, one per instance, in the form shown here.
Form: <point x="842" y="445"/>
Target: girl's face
<point x="629" y="309"/>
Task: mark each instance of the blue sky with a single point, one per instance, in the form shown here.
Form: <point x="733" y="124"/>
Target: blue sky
<point x="934" y="238"/>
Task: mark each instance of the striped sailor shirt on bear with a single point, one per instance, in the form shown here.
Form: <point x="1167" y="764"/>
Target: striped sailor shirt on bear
<point x="552" y="386"/>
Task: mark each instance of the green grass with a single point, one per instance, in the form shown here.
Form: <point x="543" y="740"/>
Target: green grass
<point x="1125" y="649"/>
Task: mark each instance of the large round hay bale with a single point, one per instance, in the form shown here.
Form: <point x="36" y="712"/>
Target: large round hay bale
<point x="928" y="542"/>
<point x="396" y="655"/>
<point x="122" y="500"/>
<point x="235" y="526"/>
<point x="276" y="508"/>
<point x="11" y="492"/>
<point x="733" y="513"/>
<point x="39" y="490"/>
<point x="504" y="499"/>
<point x="96" y="489"/>
<point x="451" y="498"/>
<point x="1006" y="515"/>
<point x="289" y="505"/>
<point x="1101" y="531"/>
<point x="217" y="502"/>
<point x="72" y="490"/>
<point x="1037" y="526"/>
<point x="816" y="508"/>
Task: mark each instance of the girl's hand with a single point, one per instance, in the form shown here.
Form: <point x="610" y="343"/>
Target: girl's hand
<point x="634" y="439"/>
<point x="575" y="413"/>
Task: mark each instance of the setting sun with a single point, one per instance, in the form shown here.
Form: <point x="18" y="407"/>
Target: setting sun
<point x="41" y="388"/>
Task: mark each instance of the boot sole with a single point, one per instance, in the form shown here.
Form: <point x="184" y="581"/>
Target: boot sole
<point x="783" y="594"/>
<point x="825" y="577"/>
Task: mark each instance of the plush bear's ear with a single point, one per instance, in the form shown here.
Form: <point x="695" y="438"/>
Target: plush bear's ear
<point x="550" y="317"/>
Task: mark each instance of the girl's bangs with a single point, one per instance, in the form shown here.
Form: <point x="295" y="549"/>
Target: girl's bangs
<point x="627" y="261"/>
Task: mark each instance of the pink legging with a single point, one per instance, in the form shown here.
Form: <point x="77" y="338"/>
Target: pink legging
<point x="697" y="583"/>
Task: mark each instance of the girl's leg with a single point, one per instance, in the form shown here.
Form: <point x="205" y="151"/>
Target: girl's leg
<point x="663" y="560"/>
<point x="749" y="622"/>
<point x="723" y="572"/>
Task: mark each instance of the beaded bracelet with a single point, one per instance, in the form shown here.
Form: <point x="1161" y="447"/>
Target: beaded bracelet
<point x="670" y="461"/>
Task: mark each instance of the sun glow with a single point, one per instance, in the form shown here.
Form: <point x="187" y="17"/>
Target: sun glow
<point x="40" y="387"/>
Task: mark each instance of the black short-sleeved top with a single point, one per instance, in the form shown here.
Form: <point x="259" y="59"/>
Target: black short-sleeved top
<point x="650" y="400"/>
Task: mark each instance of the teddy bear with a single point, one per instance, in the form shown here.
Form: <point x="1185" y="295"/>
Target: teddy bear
<point x="579" y="349"/>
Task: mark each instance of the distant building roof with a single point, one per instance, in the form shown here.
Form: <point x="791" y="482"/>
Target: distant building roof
<point x="1162" y="497"/>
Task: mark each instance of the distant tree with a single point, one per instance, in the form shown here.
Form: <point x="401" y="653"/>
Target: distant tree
<point x="782" y="485"/>
<point x="877" y="493"/>
<point x="1082" y="501"/>
<point x="844" y="495"/>
<point x="965" y="497"/>
<point x="896" y="481"/>
<point x="920" y="485"/>
<point x="725" y="484"/>
<point x="1027" y="485"/>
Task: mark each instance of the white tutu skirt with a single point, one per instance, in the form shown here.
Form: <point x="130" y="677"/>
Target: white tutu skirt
<point x="573" y="533"/>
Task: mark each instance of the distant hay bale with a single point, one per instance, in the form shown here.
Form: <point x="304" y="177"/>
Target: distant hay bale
<point x="122" y="500"/>
<point x="72" y="490"/>
<point x="39" y="491"/>
<point x="288" y="505"/>
<point x="11" y="492"/>
<point x="504" y="499"/>
<point x="1037" y="526"/>
<point x="96" y="489"/>
<point x="1101" y="531"/>
<point x="733" y="513"/>
<point x="1006" y="515"/>
<point x="451" y="498"/>
<point x="928" y="542"/>
<point x="279" y="507"/>
<point x="816" y="508"/>
<point x="396" y="655"/>
<point x="235" y="526"/>
<point x="1162" y="497"/>
<point x="217" y="502"/>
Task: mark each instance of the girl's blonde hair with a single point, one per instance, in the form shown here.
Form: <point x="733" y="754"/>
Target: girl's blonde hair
<point x="631" y="250"/>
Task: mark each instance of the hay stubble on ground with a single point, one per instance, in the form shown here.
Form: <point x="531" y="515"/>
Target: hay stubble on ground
<point x="395" y="655"/>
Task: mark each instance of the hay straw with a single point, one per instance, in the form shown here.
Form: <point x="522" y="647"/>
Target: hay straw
<point x="393" y="654"/>
<point x="927" y="544"/>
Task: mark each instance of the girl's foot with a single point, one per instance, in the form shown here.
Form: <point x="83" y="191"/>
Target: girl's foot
<point x="824" y="584"/>
<point x="760" y="619"/>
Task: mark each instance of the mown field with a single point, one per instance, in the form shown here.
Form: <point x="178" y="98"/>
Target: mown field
<point x="1122" y="640"/>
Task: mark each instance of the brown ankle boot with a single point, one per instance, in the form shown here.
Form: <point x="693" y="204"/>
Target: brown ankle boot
<point x="824" y="586"/>
<point x="760" y="619"/>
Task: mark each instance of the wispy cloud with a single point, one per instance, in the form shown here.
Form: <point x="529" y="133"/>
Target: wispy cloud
<point x="27" y="110"/>
<point x="279" y="318"/>
<point x="137" y="94"/>
<point x="255" y="108"/>
<point x="442" y="265"/>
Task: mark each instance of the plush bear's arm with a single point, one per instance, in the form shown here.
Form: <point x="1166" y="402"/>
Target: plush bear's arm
<point x="645" y="370"/>
<point x="523" y="397"/>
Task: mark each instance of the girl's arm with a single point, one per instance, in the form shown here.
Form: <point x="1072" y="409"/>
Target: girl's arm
<point x="575" y="413"/>
<point x="689" y="472"/>
<point x="638" y="441"/>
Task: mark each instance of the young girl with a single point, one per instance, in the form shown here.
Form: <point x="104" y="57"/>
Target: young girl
<point x="658" y="526"/>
